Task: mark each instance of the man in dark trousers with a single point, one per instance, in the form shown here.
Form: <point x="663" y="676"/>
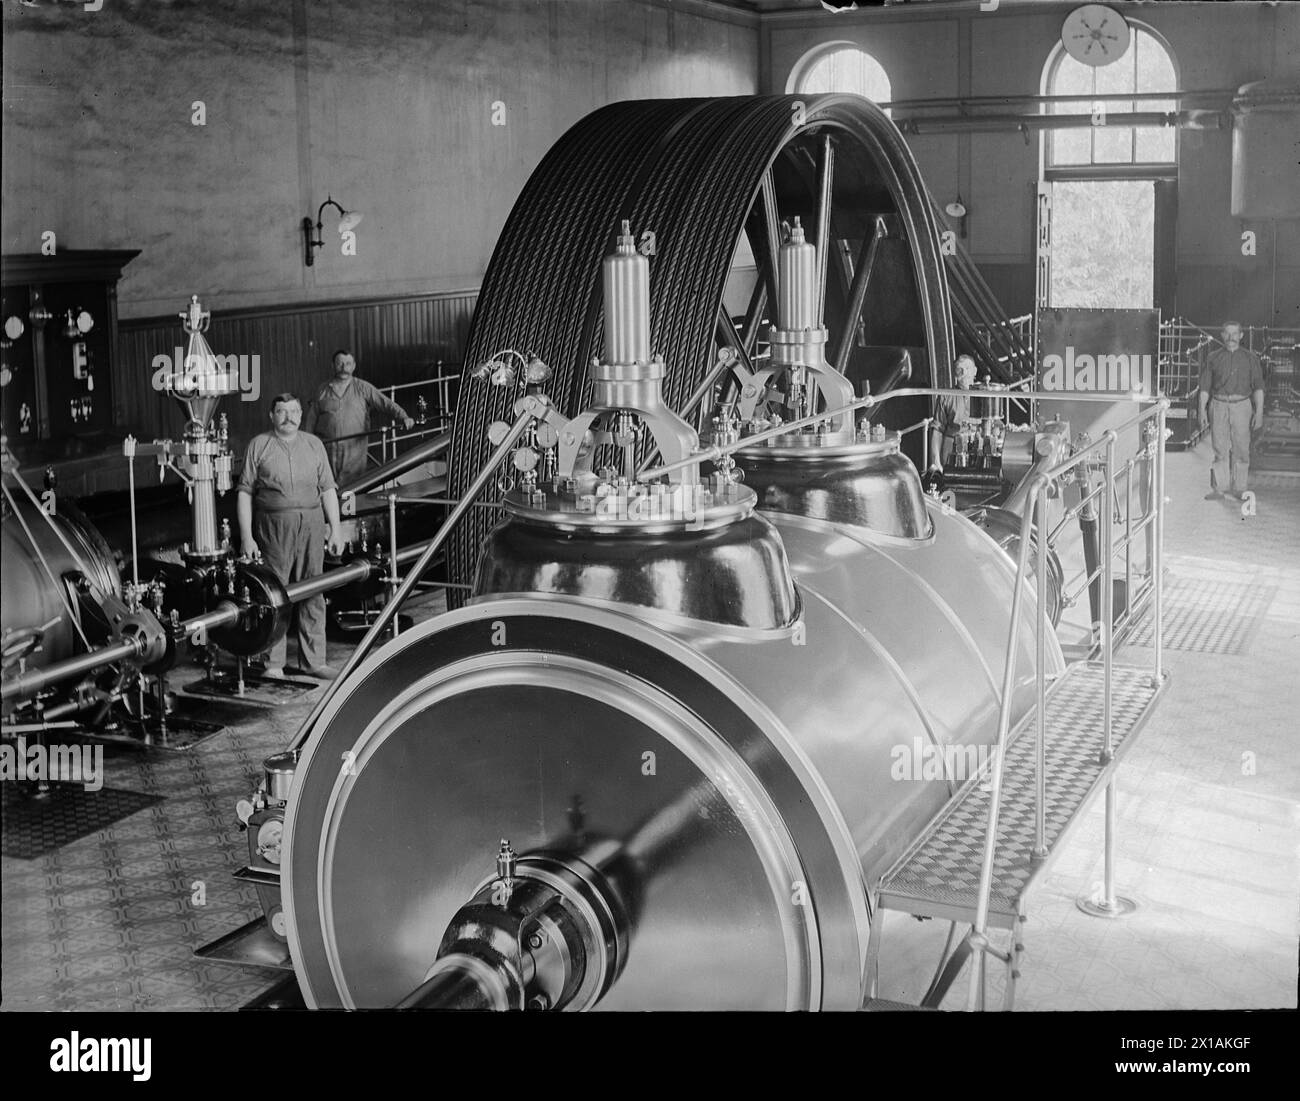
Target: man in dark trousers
<point x="284" y="485"/>
<point x="342" y="407"/>
<point x="1232" y="400"/>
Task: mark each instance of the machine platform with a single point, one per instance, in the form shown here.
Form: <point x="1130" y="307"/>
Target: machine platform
<point x="939" y="875"/>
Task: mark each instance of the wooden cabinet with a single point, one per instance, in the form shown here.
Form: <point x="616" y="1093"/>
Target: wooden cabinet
<point x="58" y="349"/>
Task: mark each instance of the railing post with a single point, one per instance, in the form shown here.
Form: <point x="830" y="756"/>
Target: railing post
<point x="1128" y="539"/>
<point x="392" y="559"/>
<point x="1158" y="551"/>
<point x="978" y="937"/>
<point x="1107" y="595"/>
<point x="1040" y="680"/>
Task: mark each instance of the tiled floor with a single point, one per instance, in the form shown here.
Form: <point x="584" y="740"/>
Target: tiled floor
<point x="1209" y="803"/>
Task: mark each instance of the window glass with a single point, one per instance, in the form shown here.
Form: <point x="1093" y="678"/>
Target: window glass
<point x="846" y="69"/>
<point x="1145" y="67"/>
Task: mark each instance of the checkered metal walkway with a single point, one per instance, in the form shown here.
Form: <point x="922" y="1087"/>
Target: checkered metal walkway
<point x="939" y="875"/>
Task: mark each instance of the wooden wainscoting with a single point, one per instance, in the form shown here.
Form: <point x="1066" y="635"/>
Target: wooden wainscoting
<point x="395" y="340"/>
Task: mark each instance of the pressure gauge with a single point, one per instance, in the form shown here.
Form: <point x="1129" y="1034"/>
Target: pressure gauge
<point x="547" y="436"/>
<point x="269" y="835"/>
<point x="85" y="322"/>
<point x="14" y="326"/>
<point x="1095" y="35"/>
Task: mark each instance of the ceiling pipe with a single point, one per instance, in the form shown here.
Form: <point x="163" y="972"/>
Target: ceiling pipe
<point x="941" y="124"/>
<point x="1108" y="97"/>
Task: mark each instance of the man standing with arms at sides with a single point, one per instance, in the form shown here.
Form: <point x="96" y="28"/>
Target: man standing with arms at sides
<point x="284" y="484"/>
<point x="342" y="407"/>
<point x="1232" y="400"/>
<point x="950" y="414"/>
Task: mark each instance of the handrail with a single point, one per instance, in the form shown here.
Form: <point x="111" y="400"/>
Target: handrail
<point x="717" y="451"/>
<point x="1036" y="509"/>
<point x="390" y="390"/>
<point x="441" y="381"/>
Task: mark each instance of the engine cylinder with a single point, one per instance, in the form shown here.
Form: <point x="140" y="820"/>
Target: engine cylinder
<point x="32" y="614"/>
<point x="753" y="778"/>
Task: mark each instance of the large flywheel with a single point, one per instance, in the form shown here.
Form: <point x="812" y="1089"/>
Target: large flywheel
<point x="706" y="184"/>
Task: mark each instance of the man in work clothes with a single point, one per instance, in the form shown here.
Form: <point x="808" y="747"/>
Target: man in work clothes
<point x="950" y="413"/>
<point x="342" y="407"/>
<point x="1232" y="399"/>
<point x="285" y="481"/>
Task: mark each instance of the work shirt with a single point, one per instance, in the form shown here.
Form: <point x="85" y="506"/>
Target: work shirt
<point x="1231" y="374"/>
<point x="281" y="475"/>
<point x="950" y="413"/>
<point x="344" y="410"/>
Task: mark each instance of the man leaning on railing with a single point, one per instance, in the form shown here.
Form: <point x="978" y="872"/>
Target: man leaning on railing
<point x="340" y="415"/>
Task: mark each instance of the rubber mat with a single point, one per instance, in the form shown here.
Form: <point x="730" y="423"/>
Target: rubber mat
<point x="31" y="827"/>
<point x="1208" y="617"/>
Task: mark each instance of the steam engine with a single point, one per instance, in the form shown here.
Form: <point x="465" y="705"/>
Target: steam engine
<point x="648" y="764"/>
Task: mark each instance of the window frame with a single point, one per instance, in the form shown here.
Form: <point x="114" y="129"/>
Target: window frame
<point x="1093" y="169"/>
<point x="811" y="58"/>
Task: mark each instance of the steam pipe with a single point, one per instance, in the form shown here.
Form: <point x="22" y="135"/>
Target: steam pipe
<point x="28" y="684"/>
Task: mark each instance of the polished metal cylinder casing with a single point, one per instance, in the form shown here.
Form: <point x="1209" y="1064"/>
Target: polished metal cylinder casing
<point x="626" y="277"/>
<point x="735" y="574"/>
<point x="797" y="283"/>
<point x="760" y="780"/>
<point x="29" y="599"/>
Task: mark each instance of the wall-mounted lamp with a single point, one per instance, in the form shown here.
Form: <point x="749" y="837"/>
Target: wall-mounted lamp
<point x="348" y="221"/>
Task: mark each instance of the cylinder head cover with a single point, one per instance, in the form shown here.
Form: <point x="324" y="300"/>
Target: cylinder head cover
<point x="867" y="484"/>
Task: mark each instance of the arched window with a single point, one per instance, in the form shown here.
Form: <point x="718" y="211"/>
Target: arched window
<point x="1145" y="67"/>
<point x="841" y="67"/>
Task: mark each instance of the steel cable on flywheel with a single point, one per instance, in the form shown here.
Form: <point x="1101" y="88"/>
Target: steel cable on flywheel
<point x="688" y="171"/>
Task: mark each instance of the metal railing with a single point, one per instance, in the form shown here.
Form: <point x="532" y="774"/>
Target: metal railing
<point x="1036" y="507"/>
<point x="388" y="437"/>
